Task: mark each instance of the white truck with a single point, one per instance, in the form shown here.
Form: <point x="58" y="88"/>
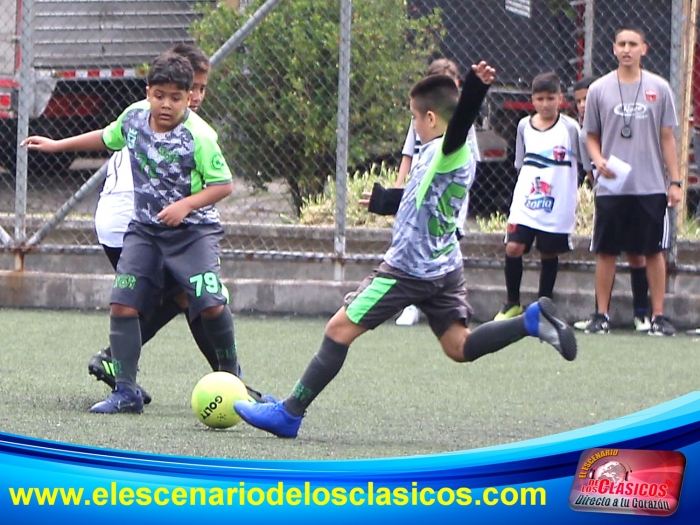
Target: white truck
<point x="86" y="59"/>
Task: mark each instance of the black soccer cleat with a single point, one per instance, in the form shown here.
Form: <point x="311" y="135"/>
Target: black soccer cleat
<point x="102" y="367"/>
<point x="542" y="321"/>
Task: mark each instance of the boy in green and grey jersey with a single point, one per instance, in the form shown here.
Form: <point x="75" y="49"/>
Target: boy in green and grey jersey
<point x="179" y="174"/>
<point x="423" y="265"/>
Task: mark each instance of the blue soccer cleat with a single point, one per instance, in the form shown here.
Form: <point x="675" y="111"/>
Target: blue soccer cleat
<point x="271" y="417"/>
<point x="542" y="321"/>
<point x="267" y="398"/>
<point x="120" y="401"/>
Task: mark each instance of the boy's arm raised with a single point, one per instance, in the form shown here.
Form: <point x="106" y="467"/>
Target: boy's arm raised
<point x="90" y="141"/>
<point x="476" y="84"/>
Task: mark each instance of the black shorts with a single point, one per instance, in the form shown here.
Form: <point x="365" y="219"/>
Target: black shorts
<point x="636" y="224"/>
<point x="545" y="242"/>
<point x="190" y="254"/>
<point x="170" y="286"/>
<point x="387" y="291"/>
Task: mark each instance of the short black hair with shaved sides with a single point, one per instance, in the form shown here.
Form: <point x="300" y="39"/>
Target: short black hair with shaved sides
<point x="633" y="29"/>
<point x="584" y="83"/>
<point x="436" y="93"/>
<point x="546" y="83"/>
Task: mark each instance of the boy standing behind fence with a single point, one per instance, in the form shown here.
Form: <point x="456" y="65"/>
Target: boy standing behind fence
<point x="543" y="211"/>
<point x="637" y="263"/>
<point x="179" y="174"/>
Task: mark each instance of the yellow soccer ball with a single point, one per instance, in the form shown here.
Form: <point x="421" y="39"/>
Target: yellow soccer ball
<point x="213" y="397"/>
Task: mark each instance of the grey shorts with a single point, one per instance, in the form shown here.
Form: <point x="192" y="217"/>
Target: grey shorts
<point x="190" y="254"/>
<point x="387" y="291"/>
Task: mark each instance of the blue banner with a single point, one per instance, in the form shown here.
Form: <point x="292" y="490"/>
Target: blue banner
<point x="527" y="482"/>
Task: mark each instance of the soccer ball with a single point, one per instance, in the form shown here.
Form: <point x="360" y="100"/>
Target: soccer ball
<point x="213" y="398"/>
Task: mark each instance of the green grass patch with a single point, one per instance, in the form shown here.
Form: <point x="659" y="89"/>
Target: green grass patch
<point x="397" y="395"/>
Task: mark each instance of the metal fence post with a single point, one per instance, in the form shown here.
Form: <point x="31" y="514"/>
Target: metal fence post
<point x="341" y="166"/>
<point x="25" y="103"/>
<point x="588" y="28"/>
<point x="675" y="81"/>
<point x="239" y="36"/>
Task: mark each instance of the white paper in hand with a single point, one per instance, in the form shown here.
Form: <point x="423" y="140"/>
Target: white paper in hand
<point x="621" y="170"/>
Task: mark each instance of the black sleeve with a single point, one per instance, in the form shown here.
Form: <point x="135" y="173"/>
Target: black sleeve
<point x="385" y="201"/>
<point x="473" y="93"/>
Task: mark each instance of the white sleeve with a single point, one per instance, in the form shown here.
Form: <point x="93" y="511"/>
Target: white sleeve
<point x="474" y="144"/>
<point x="409" y="144"/>
<point x="520" y="144"/>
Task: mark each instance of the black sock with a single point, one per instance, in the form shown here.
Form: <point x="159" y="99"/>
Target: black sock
<point x="125" y="342"/>
<point x="219" y="329"/>
<point x="514" y="277"/>
<point x="203" y="342"/>
<point x="640" y="291"/>
<point x="492" y="336"/>
<point x="324" y="366"/>
<point x="165" y="313"/>
<point x="548" y="276"/>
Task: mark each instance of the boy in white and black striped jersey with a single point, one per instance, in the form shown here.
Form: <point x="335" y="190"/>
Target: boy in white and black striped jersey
<point x="543" y="210"/>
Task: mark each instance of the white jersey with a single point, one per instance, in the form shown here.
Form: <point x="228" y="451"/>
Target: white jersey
<point x="545" y="194"/>
<point x="115" y="206"/>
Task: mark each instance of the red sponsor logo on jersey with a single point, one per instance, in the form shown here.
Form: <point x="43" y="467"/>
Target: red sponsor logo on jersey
<point x="540" y="187"/>
<point x="540" y="196"/>
<point x="559" y="153"/>
<point x="650" y="95"/>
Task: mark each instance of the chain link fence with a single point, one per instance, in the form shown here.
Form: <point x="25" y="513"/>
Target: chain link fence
<point x="70" y="66"/>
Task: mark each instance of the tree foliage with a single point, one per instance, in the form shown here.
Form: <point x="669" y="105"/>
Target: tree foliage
<point x="274" y="101"/>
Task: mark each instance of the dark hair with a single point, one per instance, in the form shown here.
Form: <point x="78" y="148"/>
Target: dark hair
<point x="170" y="68"/>
<point x="437" y="93"/>
<point x="198" y="59"/>
<point x="637" y="30"/>
<point x="546" y="83"/>
<point x="584" y="83"/>
<point x="443" y="66"/>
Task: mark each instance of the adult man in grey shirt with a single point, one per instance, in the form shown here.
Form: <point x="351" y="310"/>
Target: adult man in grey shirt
<point x="637" y="263"/>
<point x="630" y="115"/>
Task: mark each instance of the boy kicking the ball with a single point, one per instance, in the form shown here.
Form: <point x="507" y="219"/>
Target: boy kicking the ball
<point x="424" y="263"/>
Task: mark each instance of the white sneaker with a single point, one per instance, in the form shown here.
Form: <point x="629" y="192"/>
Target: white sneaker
<point x="409" y="316"/>
<point x="642" y="324"/>
<point x="582" y="325"/>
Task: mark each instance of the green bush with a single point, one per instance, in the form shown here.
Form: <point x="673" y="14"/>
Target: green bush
<point x="278" y="96"/>
<point x="319" y="210"/>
